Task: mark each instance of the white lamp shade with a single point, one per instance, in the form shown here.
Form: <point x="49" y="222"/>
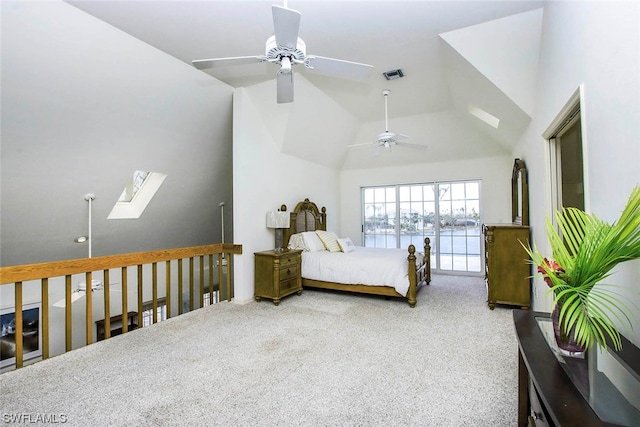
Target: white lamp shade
<point x="278" y="219"/>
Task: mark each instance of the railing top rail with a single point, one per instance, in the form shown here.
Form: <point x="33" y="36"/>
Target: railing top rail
<point x="19" y="273"/>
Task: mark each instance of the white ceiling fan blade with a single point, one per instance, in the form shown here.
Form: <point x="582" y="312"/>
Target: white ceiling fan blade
<point x="339" y="68"/>
<point x="286" y="24"/>
<point x="284" y="85"/>
<point x="376" y="151"/>
<point x="400" y="137"/>
<point x="75" y="296"/>
<point x="203" y="64"/>
<point x="410" y="145"/>
<point x="361" y="144"/>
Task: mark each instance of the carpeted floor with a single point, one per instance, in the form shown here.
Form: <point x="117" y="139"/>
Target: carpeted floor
<point x="322" y="358"/>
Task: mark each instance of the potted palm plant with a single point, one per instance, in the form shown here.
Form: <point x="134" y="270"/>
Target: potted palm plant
<point x="585" y="250"/>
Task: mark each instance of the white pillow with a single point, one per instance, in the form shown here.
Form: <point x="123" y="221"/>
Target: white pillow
<point x="296" y="242"/>
<point x="329" y="239"/>
<point x="312" y="241"/>
<point x="346" y="245"/>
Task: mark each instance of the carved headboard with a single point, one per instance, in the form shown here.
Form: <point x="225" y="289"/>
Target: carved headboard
<point x="305" y="217"/>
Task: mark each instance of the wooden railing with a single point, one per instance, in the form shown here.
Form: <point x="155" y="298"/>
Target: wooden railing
<point x="16" y="276"/>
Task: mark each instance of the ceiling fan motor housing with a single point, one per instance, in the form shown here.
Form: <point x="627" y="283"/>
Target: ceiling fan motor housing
<point x="274" y="52"/>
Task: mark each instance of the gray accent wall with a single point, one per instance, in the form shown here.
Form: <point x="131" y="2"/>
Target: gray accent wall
<point x="84" y="105"/>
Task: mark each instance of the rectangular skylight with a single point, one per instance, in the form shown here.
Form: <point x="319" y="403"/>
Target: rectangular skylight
<point x="137" y="195"/>
<point x="489" y="119"/>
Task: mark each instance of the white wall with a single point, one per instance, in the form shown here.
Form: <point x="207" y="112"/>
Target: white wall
<point x="597" y="45"/>
<point x="83" y="106"/>
<point x="263" y="179"/>
<point x="494" y="172"/>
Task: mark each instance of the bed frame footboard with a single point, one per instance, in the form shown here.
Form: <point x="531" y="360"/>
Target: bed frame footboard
<point x="419" y="273"/>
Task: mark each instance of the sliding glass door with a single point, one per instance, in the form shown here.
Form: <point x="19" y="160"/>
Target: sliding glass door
<point x="395" y="216"/>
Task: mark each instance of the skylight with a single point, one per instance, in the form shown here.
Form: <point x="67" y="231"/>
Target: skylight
<point x="489" y="119"/>
<point x="136" y="195"/>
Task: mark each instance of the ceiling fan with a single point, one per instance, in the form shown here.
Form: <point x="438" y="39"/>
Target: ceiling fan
<point x="388" y="139"/>
<point x="286" y="49"/>
<point x="81" y="292"/>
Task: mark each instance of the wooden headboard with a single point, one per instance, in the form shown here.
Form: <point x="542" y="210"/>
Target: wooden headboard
<point x="305" y="217"/>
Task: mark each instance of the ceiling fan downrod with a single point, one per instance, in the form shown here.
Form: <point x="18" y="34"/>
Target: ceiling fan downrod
<point x="386" y="93"/>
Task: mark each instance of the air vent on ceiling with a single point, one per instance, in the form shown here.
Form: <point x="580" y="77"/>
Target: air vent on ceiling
<point x="393" y="74"/>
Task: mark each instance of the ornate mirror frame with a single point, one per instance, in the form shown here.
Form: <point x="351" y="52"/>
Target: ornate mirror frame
<point x="519" y="194"/>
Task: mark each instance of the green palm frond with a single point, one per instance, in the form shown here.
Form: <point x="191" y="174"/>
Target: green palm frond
<point x="587" y="249"/>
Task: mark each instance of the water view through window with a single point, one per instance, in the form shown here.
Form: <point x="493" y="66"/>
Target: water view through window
<point x="395" y="216"/>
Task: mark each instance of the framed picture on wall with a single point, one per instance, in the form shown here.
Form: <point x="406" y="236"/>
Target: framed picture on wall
<point x="31" y="339"/>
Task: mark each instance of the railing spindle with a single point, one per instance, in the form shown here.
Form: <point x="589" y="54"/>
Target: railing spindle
<point x="201" y="281"/>
<point x="44" y="297"/>
<point x="125" y="299"/>
<point x="168" y="287"/>
<point x="89" y="307"/>
<point x="180" y="298"/>
<point x="229" y="270"/>
<point x="154" y="291"/>
<point x="140" y="298"/>
<point x="211" y="286"/>
<point x="18" y="321"/>
<point x="67" y="313"/>
<point x="220" y="287"/>
<point x="107" y="304"/>
<point x="191" y="284"/>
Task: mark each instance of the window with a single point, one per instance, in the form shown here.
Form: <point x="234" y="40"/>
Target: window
<point x="134" y="186"/>
<point x="395" y="216"/>
<point x="147" y="312"/>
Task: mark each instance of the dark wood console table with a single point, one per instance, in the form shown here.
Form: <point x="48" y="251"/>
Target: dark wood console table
<point x="557" y="391"/>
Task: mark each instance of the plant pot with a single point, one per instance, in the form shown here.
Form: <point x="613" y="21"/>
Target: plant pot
<point x="565" y="341"/>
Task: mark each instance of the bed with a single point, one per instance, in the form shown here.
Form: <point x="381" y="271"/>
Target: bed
<point x="395" y="272"/>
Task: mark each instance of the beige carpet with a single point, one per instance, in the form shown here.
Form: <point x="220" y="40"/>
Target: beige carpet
<point x="322" y="358"/>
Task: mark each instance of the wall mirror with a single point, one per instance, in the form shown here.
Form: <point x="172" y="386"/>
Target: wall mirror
<point x="519" y="194"/>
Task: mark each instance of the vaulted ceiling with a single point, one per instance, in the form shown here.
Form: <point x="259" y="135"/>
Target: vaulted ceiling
<point x="453" y="54"/>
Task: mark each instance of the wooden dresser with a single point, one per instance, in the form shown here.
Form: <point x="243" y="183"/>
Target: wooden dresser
<point x="507" y="269"/>
<point x="277" y="274"/>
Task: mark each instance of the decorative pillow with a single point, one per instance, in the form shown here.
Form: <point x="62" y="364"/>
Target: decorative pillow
<point x="346" y="245"/>
<point x="296" y="242"/>
<point x="329" y="239"/>
<point x="312" y="241"/>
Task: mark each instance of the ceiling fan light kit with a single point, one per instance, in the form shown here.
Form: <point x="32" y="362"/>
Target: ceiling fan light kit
<point x="286" y="49"/>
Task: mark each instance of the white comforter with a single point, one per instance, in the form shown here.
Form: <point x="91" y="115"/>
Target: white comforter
<point x="363" y="266"/>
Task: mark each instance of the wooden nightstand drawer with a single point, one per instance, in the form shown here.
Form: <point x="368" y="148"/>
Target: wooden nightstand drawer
<point x="288" y="272"/>
<point x="289" y="285"/>
<point x="277" y="274"/>
<point x="290" y="260"/>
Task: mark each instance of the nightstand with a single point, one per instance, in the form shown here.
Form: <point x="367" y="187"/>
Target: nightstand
<point x="277" y="274"/>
